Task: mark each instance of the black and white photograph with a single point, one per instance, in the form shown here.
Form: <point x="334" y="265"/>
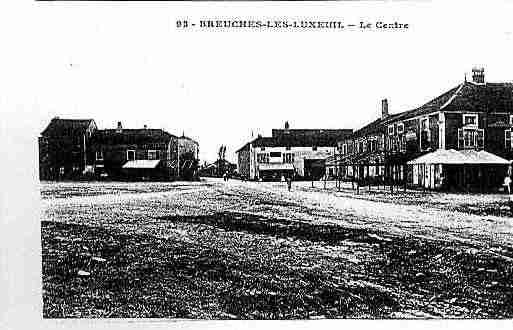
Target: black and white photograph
<point x="306" y="162"/>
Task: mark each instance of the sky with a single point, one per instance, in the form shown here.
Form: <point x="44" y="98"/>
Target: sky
<point x="129" y="63"/>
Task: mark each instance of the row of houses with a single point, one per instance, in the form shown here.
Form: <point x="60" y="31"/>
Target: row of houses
<point x="76" y="149"/>
<point x="458" y="140"/>
<point x="298" y="153"/>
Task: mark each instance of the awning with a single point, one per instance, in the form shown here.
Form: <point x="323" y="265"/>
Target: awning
<point x="276" y="167"/>
<point x="451" y="156"/>
<point x="141" y="163"/>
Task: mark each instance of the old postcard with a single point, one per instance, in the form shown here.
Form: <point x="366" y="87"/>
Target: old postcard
<point x="259" y="161"/>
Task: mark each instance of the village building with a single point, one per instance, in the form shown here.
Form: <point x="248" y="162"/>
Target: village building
<point x="298" y="153"/>
<point x="63" y="148"/>
<point x="118" y="154"/>
<point x="459" y="140"/>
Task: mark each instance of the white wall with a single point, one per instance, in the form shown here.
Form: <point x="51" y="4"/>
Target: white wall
<point x="300" y="154"/>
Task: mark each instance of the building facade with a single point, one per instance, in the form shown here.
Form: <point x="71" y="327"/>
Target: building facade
<point x="473" y="116"/>
<point x="63" y="148"/>
<point x="118" y="154"/>
<point x="298" y="153"/>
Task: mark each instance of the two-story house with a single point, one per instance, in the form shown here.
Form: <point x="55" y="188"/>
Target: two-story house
<point x="143" y="153"/>
<point x="298" y="153"/>
<point x="473" y="119"/>
<point x="63" y="148"/>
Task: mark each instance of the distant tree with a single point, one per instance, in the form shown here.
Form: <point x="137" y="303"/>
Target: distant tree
<point x="221" y="156"/>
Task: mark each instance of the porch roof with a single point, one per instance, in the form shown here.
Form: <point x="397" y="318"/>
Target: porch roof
<point x="141" y="163"/>
<point x="276" y="167"/>
<point x="460" y="157"/>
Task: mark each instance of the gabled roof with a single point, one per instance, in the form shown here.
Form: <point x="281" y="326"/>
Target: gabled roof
<point x="66" y="127"/>
<point x="131" y="136"/>
<point x="188" y="138"/>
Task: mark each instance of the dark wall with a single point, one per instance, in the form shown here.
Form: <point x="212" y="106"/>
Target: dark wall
<point x="453" y="121"/>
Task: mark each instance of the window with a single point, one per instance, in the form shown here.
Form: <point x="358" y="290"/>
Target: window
<point x="99" y="155"/>
<point x="287" y="148"/>
<point x="511" y="119"/>
<point x="400" y="128"/>
<point x="288" y="158"/>
<point x="263" y="158"/>
<point x="130" y="155"/>
<point x="391" y="130"/>
<point x="344" y="149"/>
<point x="402" y="143"/>
<point x="507" y="139"/>
<point x="314" y="148"/>
<point x="262" y="148"/>
<point x="424" y="125"/>
<point x="470" y="138"/>
<point x="425" y="134"/>
<point x="470" y="120"/>
<point x="153" y="154"/>
<point x="275" y="154"/>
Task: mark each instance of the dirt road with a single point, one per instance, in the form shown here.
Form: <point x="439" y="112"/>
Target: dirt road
<point x="254" y="250"/>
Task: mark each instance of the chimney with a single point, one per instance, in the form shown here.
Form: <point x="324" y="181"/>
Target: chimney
<point x="384" y="108"/>
<point x="478" y="75"/>
<point x="119" y="129"/>
<point x="287" y="126"/>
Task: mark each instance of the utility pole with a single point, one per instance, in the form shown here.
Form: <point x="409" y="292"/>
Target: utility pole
<point x="178" y="158"/>
<point x="85" y="155"/>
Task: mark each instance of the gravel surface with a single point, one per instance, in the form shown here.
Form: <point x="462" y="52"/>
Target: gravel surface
<point x="246" y="250"/>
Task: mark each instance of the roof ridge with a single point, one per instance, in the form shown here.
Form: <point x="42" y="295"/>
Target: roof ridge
<point x="449" y="101"/>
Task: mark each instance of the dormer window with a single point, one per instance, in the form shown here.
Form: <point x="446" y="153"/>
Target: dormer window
<point x="470" y="120"/>
<point x="262" y="148"/>
<point x="391" y="130"/>
<point x="314" y="148"/>
<point x="99" y="155"/>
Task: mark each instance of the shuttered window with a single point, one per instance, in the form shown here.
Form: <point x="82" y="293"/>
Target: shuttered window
<point x="480" y="139"/>
<point x="470" y="138"/>
<point x="507" y="139"/>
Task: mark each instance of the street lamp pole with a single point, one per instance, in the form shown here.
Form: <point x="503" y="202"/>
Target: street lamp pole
<point x="178" y="157"/>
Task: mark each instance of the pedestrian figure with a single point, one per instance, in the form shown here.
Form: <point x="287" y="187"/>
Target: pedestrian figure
<point x="289" y="183"/>
<point x="507" y="185"/>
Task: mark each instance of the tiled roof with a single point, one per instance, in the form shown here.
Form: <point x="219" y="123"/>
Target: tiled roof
<point x="66" y="127"/>
<point x="301" y="138"/>
<point x="486" y="97"/>
<point x="131" y="136"/>
<point x="467" y="96"/>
